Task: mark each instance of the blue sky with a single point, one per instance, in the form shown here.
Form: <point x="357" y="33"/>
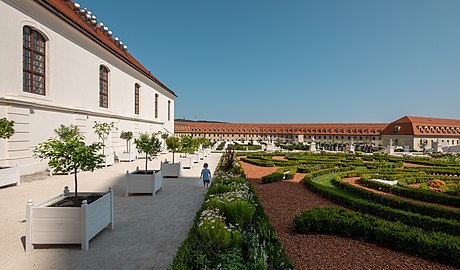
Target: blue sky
<point x="296" y="61"/>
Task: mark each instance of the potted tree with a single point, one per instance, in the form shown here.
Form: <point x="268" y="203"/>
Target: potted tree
<point x="128" y="155"/>
<point x="8" y="175"/>
<point x="172" y="169"/>
<point x="71" y="218"/>
<point x="190" y="146"/>
<point x="103" y="130"/>
<point x="145" y="181"/>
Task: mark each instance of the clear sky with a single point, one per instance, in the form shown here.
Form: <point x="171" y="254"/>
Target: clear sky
<point x="296" y="61"/>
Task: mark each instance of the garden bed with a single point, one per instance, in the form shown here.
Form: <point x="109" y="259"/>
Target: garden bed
<point x="286" y="199"/>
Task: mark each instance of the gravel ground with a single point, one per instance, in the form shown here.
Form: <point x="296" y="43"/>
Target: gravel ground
<point x="283" y="200"/>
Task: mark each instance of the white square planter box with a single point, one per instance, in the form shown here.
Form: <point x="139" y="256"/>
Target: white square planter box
<point x="9" y="176"/>
<point x="186" y="163"/>
<point x="128" y="157"/>
<point x="68" y="225"/>
<point x="201" y="154"/>
<point x="194" y="158"/>
<point x="138" y="182"/>
<point x="109" y="159"/>
<point x="171" y="169"/>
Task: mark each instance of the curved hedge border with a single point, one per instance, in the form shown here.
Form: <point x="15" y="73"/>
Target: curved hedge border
<point x="438" y="246"/>
<point x="415" y="207"/>
<point x="361" y="205"/>
<point x="423" y="195"/>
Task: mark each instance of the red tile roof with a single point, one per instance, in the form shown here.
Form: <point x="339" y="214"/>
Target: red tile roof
<point x="66" y="10"/>
<point x="371" y="129"/>
<point x="416" y="125"/>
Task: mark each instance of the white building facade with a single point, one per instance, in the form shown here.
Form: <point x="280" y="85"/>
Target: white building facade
<point x="60" y="67"/>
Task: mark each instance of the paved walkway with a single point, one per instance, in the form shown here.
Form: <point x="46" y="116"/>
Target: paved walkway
<point x="148" y="229"/>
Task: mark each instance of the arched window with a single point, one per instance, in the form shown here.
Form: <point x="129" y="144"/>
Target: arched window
<point x="136" y="98"/>
<point x="156" y="105"/>
<point x="33" y="63"/>
<point x="103" y="87"/>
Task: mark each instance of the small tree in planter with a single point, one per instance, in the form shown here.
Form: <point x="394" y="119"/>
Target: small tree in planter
<point x="70" y="153"/>
<point x="145" y="181"/>
<point x="127" y="136"/>
<point x="173" y="144"/>
<point x="8" y="175"/>
<point x="150" y="145"/>
<point x="103" y="130"/>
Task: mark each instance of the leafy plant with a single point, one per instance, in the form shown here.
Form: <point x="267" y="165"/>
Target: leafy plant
<point x="70" y="154"/>
<point x="103" y="130"/>
<point x="68" y="132"/>
<point x="150" y="145"/>
<point x="173" y="144"/>
<point x="127" y="136"/>
<point x="6" y="128"/>
<point x="189" y="144"/>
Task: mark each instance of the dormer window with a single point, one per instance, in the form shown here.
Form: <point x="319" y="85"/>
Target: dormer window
<point x="397" y="129"/>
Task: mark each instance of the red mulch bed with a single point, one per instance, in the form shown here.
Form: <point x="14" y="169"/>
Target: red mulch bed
<point x="285" y="199"/>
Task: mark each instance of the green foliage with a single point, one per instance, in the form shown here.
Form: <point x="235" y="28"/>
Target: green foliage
<point x="150" y="145"/>
<point x="364" y="206"/>
<point x="279" y="175"/>
<point x="205" y="142"/>
<point x="414" y="207"/>
<point x="231" y="230"/>
<point x="189" y="144"/>
<point x="221" y="146"/>
<point x="439" y="246"/>
<point x="419" y="194"/>
<point x="70" y="155"/>
<point x="127" y="136"/>
<point x="65" y="133"/>
<point x="102" y="130"/>
<point x="6" y="128"/>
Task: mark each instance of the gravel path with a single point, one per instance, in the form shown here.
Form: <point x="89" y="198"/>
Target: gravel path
<point x="285" y="199"/>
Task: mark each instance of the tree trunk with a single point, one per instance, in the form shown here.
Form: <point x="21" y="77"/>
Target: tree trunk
<point x="146" y="161"/>
<point x="173" y="156"/>
<point x="76" y="187"/>
<point x="127" y="150"/>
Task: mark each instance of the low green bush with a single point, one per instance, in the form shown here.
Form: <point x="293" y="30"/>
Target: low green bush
<point x="414" y="207"/>
<point x="361" y="205"/>
<point x="279" y="175"/>
<point x="398" y="236"/>
<point x="419" y="194"/>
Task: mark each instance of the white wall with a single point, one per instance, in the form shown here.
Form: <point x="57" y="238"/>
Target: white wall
<point x="72" y="87"/>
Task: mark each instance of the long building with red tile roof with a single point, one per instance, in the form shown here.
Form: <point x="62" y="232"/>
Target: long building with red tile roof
<point x="407" y="131"/>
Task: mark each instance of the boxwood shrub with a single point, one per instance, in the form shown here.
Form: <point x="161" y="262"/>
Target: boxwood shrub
<point x="395" y="235"/>
<point x="419" y="194"/>
<point x="364" y="206"/>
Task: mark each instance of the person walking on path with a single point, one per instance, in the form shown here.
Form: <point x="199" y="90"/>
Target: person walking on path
<point x="205" y="175"/>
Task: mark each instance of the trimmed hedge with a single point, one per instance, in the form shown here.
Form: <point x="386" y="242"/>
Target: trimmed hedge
<point x="423" y="195"/>
<point x="414" y="207"/>
<point x="361" y="205"/>
<point x="398" y="236"/>
<point x="279" y="174"/>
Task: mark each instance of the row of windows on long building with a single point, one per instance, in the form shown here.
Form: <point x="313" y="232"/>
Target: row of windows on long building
<point x="34" y="72"/>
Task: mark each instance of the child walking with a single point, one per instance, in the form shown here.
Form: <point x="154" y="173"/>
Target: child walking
<point x="205" y="175"/>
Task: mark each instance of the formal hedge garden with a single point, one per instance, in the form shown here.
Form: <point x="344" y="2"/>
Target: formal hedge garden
<point x="421" y="217"/>
<point x="231" y="231"/>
